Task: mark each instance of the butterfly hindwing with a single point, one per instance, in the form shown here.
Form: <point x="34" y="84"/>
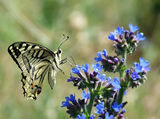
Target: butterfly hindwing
<point x="35" y="61"/>
<point x="51" y="77"/>
<point x="36" y="68"/>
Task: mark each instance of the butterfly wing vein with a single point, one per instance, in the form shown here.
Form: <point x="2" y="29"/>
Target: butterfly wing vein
<point x="35" y="61"/>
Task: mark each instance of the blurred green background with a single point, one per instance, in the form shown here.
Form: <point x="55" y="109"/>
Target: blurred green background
<point x="87" y="22"/>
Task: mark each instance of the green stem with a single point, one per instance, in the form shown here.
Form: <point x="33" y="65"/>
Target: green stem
<point x="121" y="93"/>
<point x="123" y="83"/>
<point x="92" y="96"/>
<point x="125" y="57"/>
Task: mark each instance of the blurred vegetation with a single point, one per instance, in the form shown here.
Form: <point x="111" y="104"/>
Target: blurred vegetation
<point x="87" y="22"/>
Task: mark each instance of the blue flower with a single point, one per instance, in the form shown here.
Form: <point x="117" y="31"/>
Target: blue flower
<point x="81" y="117"/>
<point x="140" y="36"/>
<point x="108" y="117"/>
<point x="138" y="68"/>
<point x="97" y="67"/>
<point x="72" y="98"/>
<point x="116" y="83"/>
<point x="85" y="95"/>
<point x="122" y="60"/>
<point x="66" y="103"/>
<point x="133" y="28"/>
<point x="109" y="79"/>
<point x="76" y="70"/>
<point x="117" y="107"/>
<point x="125" y="92"/>
<point x="119" y="30"/>
<point x="99" y="58"/>
<point x="142" y="67"/>
<point x="144" y="64"/>
<point x="71" y="79"/>
<point x="100" y="108"/>
<point x="92" y="117"/>
<point x="112" y="36"/>
<point x="135" y="76"/>
<point x="102" y="77"/>
<point x="123" y="110"/>
<point x="85" y="68"/>
<point x="99" y="55"/>
<point x="104" y="53"/>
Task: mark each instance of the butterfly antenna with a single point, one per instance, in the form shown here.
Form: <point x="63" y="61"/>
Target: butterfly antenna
<point x="65" y="39"/>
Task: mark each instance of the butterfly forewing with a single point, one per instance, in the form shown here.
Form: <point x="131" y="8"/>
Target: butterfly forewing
<point x="35" y="61"/>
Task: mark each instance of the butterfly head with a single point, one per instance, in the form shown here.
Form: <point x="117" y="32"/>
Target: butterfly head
<point x="58" y="54"/>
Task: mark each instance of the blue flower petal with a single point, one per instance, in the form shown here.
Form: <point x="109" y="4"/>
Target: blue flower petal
<point x="143" y="66"/>
<point x="102" y="77"/>
<point x="104" y="53"/>
<point x="92" y="117"/>
<point x="112" y="36"/>
<point x="140" y="36"/>
<point x="100" y="108"/>
<point x="116" y="83"/>
<point x="138" y="68"/>
<point x="133" y="28"/>
<point x="81" y="117"/>
<point x="85" y="95"/>
<point x="117" y="107"/>
<point x="85" y="68"/>
<point x="72" y="98"/>
<point x="97" y="67"/>
<point x="119" y="30"/>
<point x="75" y="70"/>
<point x="71" y="79"/>
<point x="99" y="58"/>
<point x="66" y="103"/>
<point x="108" y="117"/>
<point x="135" y="76"/>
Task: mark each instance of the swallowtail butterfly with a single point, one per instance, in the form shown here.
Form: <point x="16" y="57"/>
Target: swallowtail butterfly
<point x="36" y="61"/>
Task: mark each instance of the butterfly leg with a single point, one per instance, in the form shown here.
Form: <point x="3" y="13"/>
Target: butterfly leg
<point x="61" y="70"/>
<point x="63" y="61"/>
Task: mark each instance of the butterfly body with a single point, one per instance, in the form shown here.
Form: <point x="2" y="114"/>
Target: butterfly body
<point x="35" y="62"/>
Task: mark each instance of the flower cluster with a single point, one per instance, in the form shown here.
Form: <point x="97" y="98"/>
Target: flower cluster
<point x="126" y="41"/>
<point x="74" y="106"/>
<point x="104" y="92"/>
<point x="136" y="75"/>
<point x="110" y="64"/>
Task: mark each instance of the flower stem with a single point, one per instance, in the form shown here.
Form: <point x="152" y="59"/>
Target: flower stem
<point x="89" y="107"/>
<point x="121" y="93"/>
<point x="123" y="83"/>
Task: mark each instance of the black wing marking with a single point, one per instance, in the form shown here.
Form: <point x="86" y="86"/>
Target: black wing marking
<point x="37" y="63"/>
<point x="18" y="48"/>
<point x="34" y="61"/>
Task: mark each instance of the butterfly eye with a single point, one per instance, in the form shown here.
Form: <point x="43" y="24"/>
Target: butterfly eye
<point x="59" y="51"/>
